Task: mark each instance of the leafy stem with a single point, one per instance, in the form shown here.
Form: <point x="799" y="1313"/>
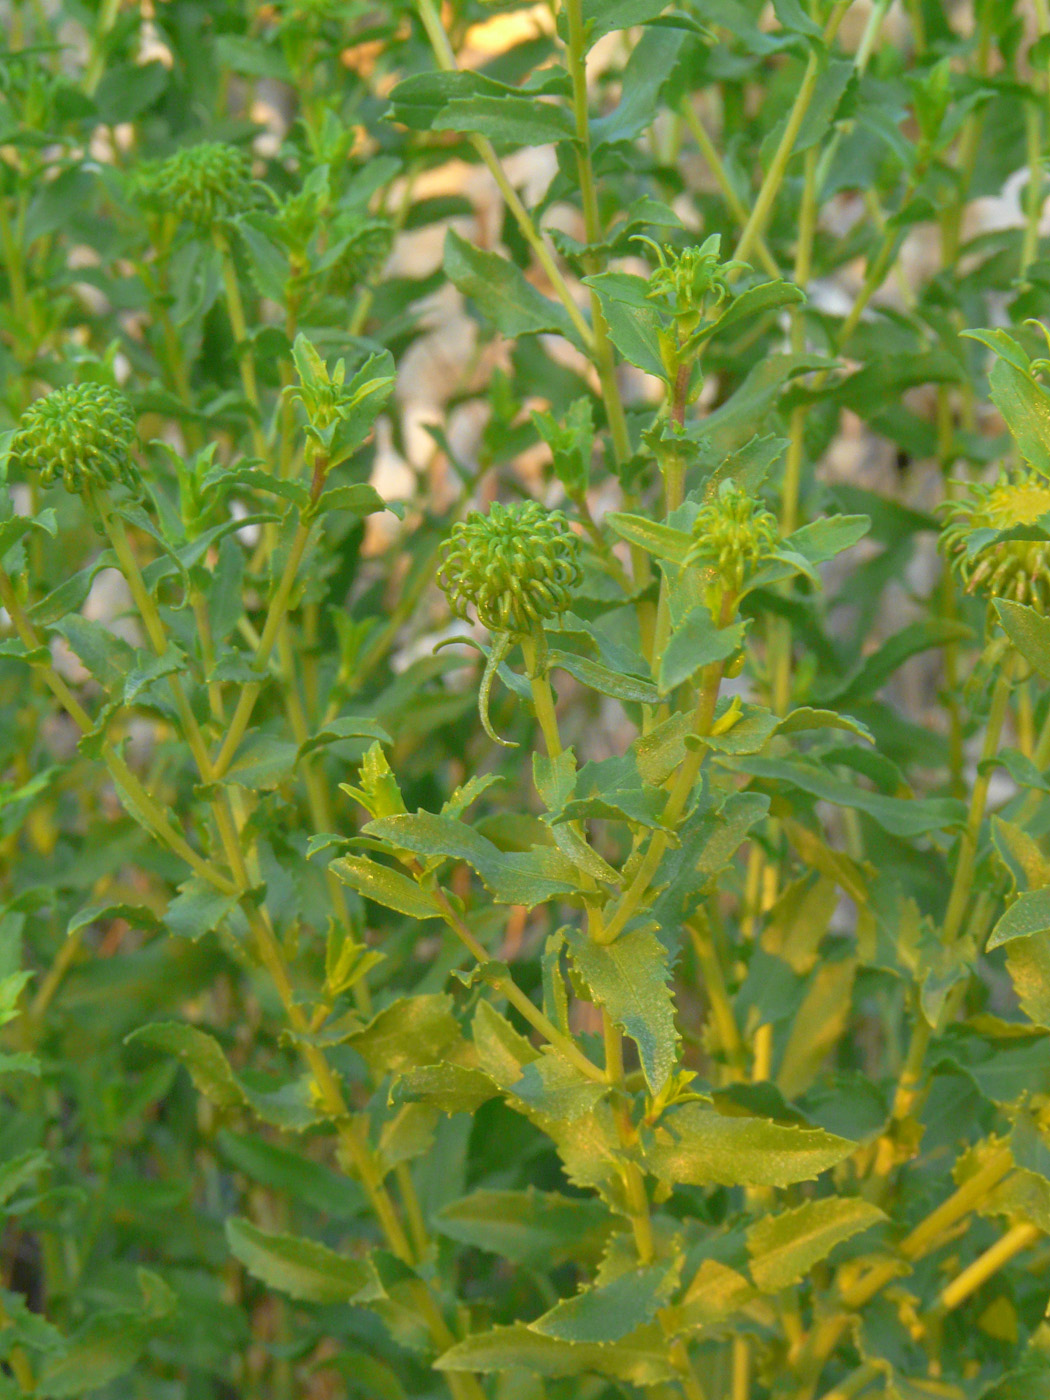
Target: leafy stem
<point x="504" y="984"/>
<point x="446" y="60"/>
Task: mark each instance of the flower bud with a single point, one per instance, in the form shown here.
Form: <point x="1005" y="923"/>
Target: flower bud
<point x="733" y="534"/>
<point x="81" y="433"/>
<point x="1015" y="569"/>
<point x="199" y="184"/>
<point x="516" y="566"/>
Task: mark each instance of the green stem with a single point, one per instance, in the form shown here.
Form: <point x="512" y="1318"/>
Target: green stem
<point x="688" y="772"/>
<point x="274" y="619"/>
<point x="774" y="177"/>
<point x="239" y="327"/>
<point x="990" y="1262"/>
<point x="506" y="986"/>
<point x="154" y="817"/>
<point x="446" y="60"/>
<point x="604" y="356"/>
<point x="733" y="201"/>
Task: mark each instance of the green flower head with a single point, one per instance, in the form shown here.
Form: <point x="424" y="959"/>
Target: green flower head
<point x="733" y="533"/>
<point x="199" y="184"/>
<point x="690" y="282"/>
<point x="82" y="433"/>
<point x="1016" y="569"/>
<point x="516" y="566"/>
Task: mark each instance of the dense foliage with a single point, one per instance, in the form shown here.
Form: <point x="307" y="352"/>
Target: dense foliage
<point x="524" y="731"/>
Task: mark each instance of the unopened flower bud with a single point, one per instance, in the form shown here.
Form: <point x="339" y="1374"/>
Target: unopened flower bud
<point x="81" y="433"/>
<point x="516" y="566"/>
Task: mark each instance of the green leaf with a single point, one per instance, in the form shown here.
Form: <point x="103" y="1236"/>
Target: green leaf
<point x="755" y="301"/>
<point x="416" y="1030"/>
<point x="640" y="1359"/>
<point x="200" y="1053"/>
<point x="1025" y="405"/>
<point x="263" y="761"/>
<point x="629" y="978"/>
<point x="448" y="1087"/>
<point x="386" y="886"/>
<point x="293" y="1175"/>
<point x="513" y="877"/>
<point x="198" y="908"/>
<point x="661" y="541"/>
<point x="301" y="1268"/>
<point x="784" y="1247"/>
<point x="107" y="1348"/>
<point x="360" y="499"/>
<point x="823" y="539"/>
<point x="695" y="643"/>
<point x="600" y="678"/>
<point x="346" y="727"/>
<point x="652" y="63"/>
<point x="607" y="1312"/>
<point x="18" y="1171"/>
<point x="501" y="293"/>
<point x="696" y="1145"/>
<point x="1029" y="631"/>
<point x="901" y="816"/>
<point x="1025" y="931"/>
<point x="892" y="653"/>
<point x="539" y="1229"/>
<point x="137" y="915"/>
<point x="518" y="121"/>
<point x="634" y="326"/>
<point x="805" y="717"/>
<point x="18" y="526"/>
<point x="603" y="17"/>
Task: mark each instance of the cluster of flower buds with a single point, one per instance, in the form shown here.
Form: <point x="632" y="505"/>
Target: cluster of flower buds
<point x="1018" y="569"/>
<point x="732" y="534"/>
<point x="82" y="434"/>
<point x="516" y="566"/>
<point x="200" y="185"/>
<point x="689" y="283"/>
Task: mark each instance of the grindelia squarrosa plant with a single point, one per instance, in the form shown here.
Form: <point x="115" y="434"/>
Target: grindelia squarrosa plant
<point x="524" y="662"/>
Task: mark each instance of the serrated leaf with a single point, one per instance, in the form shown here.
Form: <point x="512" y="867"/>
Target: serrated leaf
<point x="630" y="979"/>
<point x="198" y="908"/>
<point x="784" y="1247"/>
<point x="449" y="1087"/>
<point x="606" y="1312"/>
<point x="303" y="1269"/>
<point x="513" y="877"/>
<point x="640" y="1358"/>
<point x="698" y="1146"/>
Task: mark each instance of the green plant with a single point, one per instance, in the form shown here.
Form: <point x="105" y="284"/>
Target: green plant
<point x="661" y="1003"/>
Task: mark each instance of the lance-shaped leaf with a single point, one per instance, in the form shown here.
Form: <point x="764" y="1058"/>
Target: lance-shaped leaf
<point x="606" y="1312"/>
<point x="640" y="1358"/>
<point x="535" y="1228"/>
<point x="303" y="1269"/>
<point x="785" y="1247"/>
<point x="698" y="1146"/>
